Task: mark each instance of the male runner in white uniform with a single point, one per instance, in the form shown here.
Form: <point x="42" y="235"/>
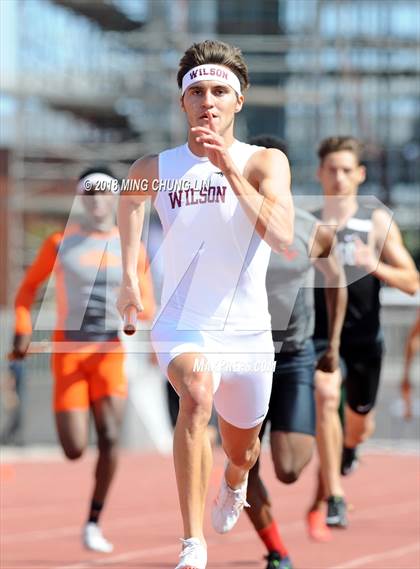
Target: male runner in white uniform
<point x="212" y="335"/>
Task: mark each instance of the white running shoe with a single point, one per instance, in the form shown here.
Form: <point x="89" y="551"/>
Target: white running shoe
<point x="228" y="506"/>
<point x="193" y="554"/>
<point x="94" y="540"/>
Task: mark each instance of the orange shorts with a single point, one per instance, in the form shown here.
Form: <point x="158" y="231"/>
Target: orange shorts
<point x="81" y="378"/>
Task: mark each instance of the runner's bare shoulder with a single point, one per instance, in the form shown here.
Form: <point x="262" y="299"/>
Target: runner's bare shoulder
<point x="141" y="176"/>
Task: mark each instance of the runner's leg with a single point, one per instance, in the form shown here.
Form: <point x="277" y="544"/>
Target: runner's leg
<point x="329" y="431"/>
<point x="192" y="451"/>
<point x="108" y="414"/>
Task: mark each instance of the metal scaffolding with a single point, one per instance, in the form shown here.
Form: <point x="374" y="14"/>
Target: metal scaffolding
<point x="93" y="83"/>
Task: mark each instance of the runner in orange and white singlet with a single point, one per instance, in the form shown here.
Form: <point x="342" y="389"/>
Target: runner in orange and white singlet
<point x="86" y="262"/>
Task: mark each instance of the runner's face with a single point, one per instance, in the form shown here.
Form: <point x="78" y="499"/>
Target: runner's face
<point x="214" y="97"/>
<point x="100" y="206"/>
<point x="340" y="174"/>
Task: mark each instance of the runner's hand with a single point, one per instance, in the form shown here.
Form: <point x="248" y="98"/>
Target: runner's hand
<point x="406" y="391"/>
<point x="365" y="256"/>
<point x="129" y="295"/>
<point x="214" y="145"/>
<point x="329" y="361"/>
<point x="20" y="346"/>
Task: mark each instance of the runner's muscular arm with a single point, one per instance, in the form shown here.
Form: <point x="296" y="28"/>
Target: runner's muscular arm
<point x="335" y="292"/>
<point x="35" y="275"/>
<point x="395" y="267"/>
<point x="263" y="190"/>
<point x="412" y="346"/>
<point x="386" y="256"/>
<point x="146" y="285"/>
<point x="130" y="224"/>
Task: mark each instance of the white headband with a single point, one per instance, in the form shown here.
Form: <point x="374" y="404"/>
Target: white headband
<point x="91" y="181"/>
<point x="210" y="72"/>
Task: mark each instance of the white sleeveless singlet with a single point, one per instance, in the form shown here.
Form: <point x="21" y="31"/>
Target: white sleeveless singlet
<point x="215" y="262"/>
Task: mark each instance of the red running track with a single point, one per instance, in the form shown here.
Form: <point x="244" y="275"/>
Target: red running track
<point x="44" y="502"/>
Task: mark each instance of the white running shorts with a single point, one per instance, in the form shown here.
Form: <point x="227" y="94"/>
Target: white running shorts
<point x="241" y="364"/>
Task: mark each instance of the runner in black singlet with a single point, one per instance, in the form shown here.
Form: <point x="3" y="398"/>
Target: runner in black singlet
<point x="291" y="414"/>
<point x="372" y="252"/>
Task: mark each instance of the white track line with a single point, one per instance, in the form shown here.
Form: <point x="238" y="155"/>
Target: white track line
<point x="391" y="553"/>
<point x="129" y="556"/>
<point x="47" y="534"/>
<point x="402" y="508"/>
<point x="30" y="511"/>
<point x="154" y="551"/>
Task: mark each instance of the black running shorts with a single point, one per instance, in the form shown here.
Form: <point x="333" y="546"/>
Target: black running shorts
<point x="360" y="364"/>
<point x="292" y="402"/>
